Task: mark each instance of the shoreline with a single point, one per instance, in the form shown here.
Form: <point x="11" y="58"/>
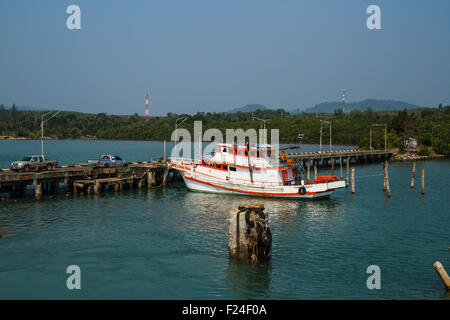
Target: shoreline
<point x="408" y="156"/>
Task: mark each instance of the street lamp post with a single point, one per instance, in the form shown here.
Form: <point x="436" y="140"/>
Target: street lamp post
<point x="176" y="126"/>
<point x="42" y="129"/>
<point x="264" y="127"/>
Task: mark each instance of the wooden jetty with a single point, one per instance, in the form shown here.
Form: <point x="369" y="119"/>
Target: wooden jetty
<point x="80" y="178"/>
<point x="325" y="159"/>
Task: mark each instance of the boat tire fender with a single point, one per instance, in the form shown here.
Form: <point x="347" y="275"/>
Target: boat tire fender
<point x="302" y="190"/>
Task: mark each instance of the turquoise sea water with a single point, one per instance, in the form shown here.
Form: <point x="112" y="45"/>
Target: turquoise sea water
<point x="170" y="243"/>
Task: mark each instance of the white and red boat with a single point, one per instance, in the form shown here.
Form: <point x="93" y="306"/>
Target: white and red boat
<point x="237" y="170"/>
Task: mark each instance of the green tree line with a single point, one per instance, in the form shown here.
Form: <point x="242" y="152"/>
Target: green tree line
<point x="430" y="126"/>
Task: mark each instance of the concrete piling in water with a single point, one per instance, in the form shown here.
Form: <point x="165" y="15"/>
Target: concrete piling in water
<point x="422" y="180"/>
<point x="442" y="274"/>
<point x="249" y="236"/>
<point x="413" y="174"/>
<point x="315" y="171"/>
<point x="353" y="180"/>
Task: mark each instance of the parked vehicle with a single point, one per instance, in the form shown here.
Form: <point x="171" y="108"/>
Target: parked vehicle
<point x="34" y="162"/>
<point x="107" y="161"/>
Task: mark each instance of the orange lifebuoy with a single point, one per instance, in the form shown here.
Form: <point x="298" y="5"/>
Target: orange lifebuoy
<point x="283" y="155"/>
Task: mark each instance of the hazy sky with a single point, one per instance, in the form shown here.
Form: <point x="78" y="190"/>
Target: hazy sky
<point x="214" y="55"/>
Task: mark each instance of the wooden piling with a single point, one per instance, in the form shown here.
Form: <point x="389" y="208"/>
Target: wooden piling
<point x="97" y="187"/>
<point x="150" y="179"/>
<point x="164" y="150"/>
<point x="386" y="178"/>
<point x="140" y="183"/>
<point x="332" y="166"/>
<point x="38" y="191"/>
<point x="442" y="274"/>
<point x="309" y="168"/>
<point x="166" y="173"/>
<point x="413" y="174"/>
<point x="347" y="162"/>
<point x="422" y="180"/>
<point x="315" y="171"/>
<point x="353" y="180"/>
<point x="116" y="187"/>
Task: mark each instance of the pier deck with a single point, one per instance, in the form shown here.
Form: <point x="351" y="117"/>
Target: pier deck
<point x="323" y="158"/>
<point x="82" y="177"/>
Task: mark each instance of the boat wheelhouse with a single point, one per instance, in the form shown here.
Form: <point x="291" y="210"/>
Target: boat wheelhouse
<point x="257" y="170"/>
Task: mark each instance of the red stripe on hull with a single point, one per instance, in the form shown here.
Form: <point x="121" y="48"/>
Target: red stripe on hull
<point x="249" y="192"/>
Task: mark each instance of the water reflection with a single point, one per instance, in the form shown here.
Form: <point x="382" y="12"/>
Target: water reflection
<point x="247" y="281"/>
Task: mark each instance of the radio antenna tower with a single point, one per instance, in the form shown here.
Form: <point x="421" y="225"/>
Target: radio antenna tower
<point x="146" y="106"/>
<point x="343" y="100"/>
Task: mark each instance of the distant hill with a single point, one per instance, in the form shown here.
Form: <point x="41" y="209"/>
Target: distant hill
<point x="248" y="108"/>
<point x="26" y="108"/>
<point x="375" y="104"/>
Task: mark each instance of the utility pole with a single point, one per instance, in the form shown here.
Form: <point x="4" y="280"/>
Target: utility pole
<point x="343" y="101"/>
<point x="42" y="129"/>
<point x="146" y="106"/>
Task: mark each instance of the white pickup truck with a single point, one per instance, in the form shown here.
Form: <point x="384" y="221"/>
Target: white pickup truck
<point x="107" y="161"/>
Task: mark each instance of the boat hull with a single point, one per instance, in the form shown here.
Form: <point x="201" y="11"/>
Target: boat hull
<point x="198" y="185"/>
